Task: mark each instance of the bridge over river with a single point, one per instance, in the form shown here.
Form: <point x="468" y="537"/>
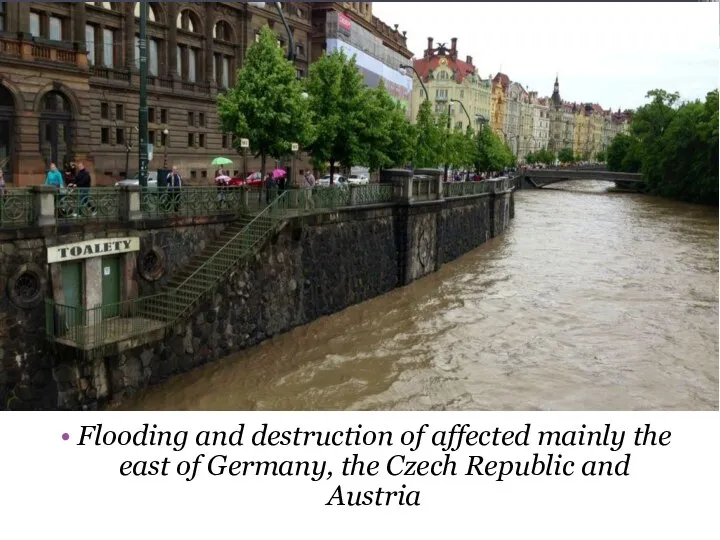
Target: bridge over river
<point x="535" y="179"/>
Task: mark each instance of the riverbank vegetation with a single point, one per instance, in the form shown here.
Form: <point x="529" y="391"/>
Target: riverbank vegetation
<point x="674" y="146"/>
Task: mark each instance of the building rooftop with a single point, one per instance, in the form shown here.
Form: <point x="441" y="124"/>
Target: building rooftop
<point x="434" y="57"/>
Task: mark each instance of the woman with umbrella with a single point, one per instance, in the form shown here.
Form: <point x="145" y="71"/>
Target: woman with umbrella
<point x="222" y="179"/>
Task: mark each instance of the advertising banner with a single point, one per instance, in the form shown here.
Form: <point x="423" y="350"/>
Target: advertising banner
<point x="397" y="83"/>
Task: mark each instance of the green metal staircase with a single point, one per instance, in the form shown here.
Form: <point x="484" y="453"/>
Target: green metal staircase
<point x="206" y="271"/>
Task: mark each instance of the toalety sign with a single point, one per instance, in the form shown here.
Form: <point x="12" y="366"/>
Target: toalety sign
<point x="92" y="248"/>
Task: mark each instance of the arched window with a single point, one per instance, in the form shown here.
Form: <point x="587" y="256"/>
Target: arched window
<point x="188" y="21"/>
<point x="222" y="31"/>
<point x="152" y="15"/>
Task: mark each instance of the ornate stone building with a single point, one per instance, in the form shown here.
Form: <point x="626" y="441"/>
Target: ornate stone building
<point x="448" y="78"/>
<point x="69" y="82"/>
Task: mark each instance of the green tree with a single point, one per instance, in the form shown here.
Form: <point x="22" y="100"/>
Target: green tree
<point x="530" y="158"/>
<point x="390" y="139"/>
<point x="491" y="153"/>
<point x="429" y="138"/>
<point x="566" y="155"/>
<point x="266" y="104"/>
<point x="545" y="156"/>
<point x="460" y="149"/>
<point x="341" y="107"/>
<point x="600" y="156"/>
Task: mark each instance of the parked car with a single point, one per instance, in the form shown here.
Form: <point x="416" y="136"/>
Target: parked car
<point x="253" y="180"/>
<point x="339" y="180"/>
<point x="358" y="180"/>
<point x="151" y="181"/>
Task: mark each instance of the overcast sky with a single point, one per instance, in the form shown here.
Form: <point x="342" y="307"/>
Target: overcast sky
<point x="606" y="53"/>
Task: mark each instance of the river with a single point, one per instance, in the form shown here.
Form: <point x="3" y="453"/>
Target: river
<point x="590" y="301"/>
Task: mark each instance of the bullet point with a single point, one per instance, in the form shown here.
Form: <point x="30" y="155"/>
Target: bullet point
<point x="65" y="436"/>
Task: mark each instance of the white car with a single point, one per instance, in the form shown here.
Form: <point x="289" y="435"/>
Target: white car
<point x="151" y="181"/>
<point x="358" y="180"/>
<point x="339" y="181"/>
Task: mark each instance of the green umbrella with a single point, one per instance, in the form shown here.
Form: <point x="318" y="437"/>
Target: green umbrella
<point x="221" y="161"/>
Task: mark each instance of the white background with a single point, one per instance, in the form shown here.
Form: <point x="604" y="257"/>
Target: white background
<point x="56" y="489"/>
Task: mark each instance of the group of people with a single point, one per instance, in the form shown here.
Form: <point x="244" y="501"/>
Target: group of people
<point x="75" y="176"/>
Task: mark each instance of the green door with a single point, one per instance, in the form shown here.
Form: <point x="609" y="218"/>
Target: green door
<point x="111" y="286"/>
<point x="72" y="282"/>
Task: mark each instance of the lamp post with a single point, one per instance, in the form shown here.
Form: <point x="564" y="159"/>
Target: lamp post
<point x="464" y="110"/>
<point x="481" y="120"/>
<point x="291" y="41"/>
<point x="404" y="66"/>
<point x="166" y="132"/>
<point x="143" y="120"/>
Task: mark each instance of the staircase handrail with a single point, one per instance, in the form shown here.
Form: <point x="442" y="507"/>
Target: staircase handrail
<point x="265" y="211"/>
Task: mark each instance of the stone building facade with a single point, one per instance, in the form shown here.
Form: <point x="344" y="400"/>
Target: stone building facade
<point x="448" y="78"/>
<point x="500" y="86"/>
<point x="69" y="82"/>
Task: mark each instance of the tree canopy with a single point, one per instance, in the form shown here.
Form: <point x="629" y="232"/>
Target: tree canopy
<point x="674" y="146"/>
<point x="566" y="155"/>
<point x="266" y="104"/>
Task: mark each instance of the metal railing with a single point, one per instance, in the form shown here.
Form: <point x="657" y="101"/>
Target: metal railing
<point x="16" y="208"/>
<point x="463" y="189"/>
<point x="189" y="201"/>
<point x="372" y="194"/>
<point x="87" y="204"/>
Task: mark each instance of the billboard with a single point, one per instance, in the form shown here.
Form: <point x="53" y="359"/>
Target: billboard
<point x="398" y="85"/>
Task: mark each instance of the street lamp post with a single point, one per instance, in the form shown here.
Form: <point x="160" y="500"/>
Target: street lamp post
<point x="143" y="120"/>
<point x="464" y="110"/>
<point x="166" y="132"/>
<point x="404" y="66"/>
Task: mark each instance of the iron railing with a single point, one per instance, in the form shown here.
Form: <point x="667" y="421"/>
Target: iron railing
<point x="190" y="201"/>
<point x="17" y="208"/>
<point x="87" y="204"/>
<point x="463" y="189"/>
<point x="371" y="194"/>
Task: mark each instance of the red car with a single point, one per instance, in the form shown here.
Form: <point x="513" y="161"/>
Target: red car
<point x="254" y="180"/>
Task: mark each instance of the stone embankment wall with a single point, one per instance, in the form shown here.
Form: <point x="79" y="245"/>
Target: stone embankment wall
<point x="314" y="266"/>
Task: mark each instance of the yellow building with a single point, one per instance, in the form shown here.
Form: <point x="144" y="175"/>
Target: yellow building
<point x="449" y="79"/>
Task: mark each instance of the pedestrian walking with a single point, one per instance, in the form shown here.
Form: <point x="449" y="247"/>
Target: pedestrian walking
<point x="174" y="184"/>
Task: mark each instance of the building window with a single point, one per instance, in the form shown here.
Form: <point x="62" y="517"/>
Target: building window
<point x="441" y="93"/>
<point x="34" y="24"/>
<point x="55" y="28"/>
<point x="300" y="50"/>
<point x="299" y="73"/>
<point x="90" y="43"/>
<point x="179" y="54"/>
<point x="222" y="31"/>
<point x="191" y="119"/>
<point x="257" y="37"/>
<point x="152" y="16"/>
<point x="201" y="140"/>
<point x="108" y="47"/>
<point x="192" y="65"/>
<point x="2" y="16"/>
<point x="119" y="113"/>
<point x="104" y="111"/>
<point x="151" y="115"/>
<point x="105" y="135"/>
<point x="191" y="140"/>
<point x="226" y="72"/>
<point x="120" y="136"/>
<point x="163" y="139"/>
<point x="201" y="119"/>
<point x="193" y="175"/>
<point x="163" y="116"/>
<point x="224" y="142"/>
<point x="151" y="137"/>
<point x="186" y="20"/>
<point x="152" y="52"/>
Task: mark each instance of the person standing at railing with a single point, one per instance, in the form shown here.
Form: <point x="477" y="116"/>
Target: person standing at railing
<point x="174" y="183"/>
<point x="83" y="182"/>
<point x="270" y="188"/>
<point x="308" y="185"/>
